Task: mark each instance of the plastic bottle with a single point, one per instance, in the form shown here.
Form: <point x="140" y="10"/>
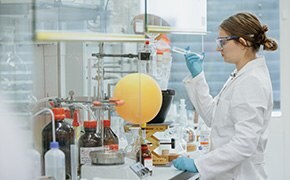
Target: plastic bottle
<point x="36" y="160"/>
<point x="64" y="135"/>
<point x="164" y="61"/>
<point x="55" y="162"/>
<point x="204" y="138"/>
<point x="89" y="141"/>
<point x="111" y="141"/>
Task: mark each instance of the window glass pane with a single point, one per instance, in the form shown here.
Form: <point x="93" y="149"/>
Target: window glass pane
<point x="188" y="16"/>
<point x="102" y="16"/>
<point x="16" y="58"/>
<point x="216" y="70"/>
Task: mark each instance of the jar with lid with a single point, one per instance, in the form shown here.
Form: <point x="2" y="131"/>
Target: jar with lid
<point x="111" y="141"/>
<point x="89" y="141"/>
<point x="64" y="134"/>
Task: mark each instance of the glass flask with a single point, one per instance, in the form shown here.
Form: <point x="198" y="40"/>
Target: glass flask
<point x="64" y="134"/>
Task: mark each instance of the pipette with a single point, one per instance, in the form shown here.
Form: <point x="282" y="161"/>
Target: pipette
<point x="184" y="51"/>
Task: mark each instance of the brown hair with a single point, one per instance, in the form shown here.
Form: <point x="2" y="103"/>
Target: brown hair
<point x="248" y="26"/>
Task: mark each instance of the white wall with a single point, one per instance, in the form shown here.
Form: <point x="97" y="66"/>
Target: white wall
<point x="285" y="83"/>
<point x="277" y="154"/>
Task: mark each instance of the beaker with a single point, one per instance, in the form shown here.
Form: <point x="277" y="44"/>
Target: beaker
<point x="133" y="147"/>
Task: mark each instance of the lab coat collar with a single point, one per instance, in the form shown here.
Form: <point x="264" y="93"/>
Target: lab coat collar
<point x="259" y="61"/>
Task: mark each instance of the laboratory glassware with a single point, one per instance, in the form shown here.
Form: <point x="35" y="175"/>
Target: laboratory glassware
<point x="135" y="144"/>
<point x="64" y="133"/>
<point x="89" y="141"/>
<point x="111" y="141"/>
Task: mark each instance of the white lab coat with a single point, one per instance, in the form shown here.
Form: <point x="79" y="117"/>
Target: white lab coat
<point x="239" y="119"/>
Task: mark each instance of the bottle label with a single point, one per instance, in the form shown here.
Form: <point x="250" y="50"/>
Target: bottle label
<point x="113" y="147"/>
<point x="148" y="162"/>
<point x="204" y="137"/>
<point x="85" y="154"/>
<point x="204" y="141"/>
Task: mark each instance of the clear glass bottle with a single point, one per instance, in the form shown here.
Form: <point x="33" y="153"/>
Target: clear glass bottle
<point x="89" y="141"/>
<point x="111" y="141"/>
<point x="64" y="134"/>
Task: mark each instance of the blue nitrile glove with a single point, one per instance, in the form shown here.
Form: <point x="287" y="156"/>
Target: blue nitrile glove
<point x="194" y="62"/>
<point x="185" y="163"/>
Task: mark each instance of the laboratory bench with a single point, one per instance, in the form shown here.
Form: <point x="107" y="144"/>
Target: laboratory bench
<point x="122" y="172"/>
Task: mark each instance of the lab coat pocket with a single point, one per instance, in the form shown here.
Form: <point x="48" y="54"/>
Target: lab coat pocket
<point x="222" y="122"/>
<point x="258" y="159"/>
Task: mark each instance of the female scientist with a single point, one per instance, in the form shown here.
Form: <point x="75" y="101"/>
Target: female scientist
<point x="239" y="115"/>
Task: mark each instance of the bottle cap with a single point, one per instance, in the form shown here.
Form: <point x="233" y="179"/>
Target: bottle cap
<point x="144" y="147"/>
<point x="147" y="42"/>
<point x="90" y="124"/>
<point x="159" y="52"/>
<point x="107" y="123"/>
<point x="67" y="113"/>
<point x="54" y="145"/>
<point x="59" y="113"/>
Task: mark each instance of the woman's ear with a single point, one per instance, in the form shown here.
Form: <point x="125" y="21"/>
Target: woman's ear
<point x="243" y="42"/>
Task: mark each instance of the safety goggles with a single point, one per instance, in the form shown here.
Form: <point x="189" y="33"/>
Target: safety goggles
<point x="221" y="41"/>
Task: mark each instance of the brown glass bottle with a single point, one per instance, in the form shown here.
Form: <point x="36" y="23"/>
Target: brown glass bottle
<point x="146" y="157"/>
<point x="111" y="141"/>
<point x="89" y="141"/>
<point x="64" y="134"/>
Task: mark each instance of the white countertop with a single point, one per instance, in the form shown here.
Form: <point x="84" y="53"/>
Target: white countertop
<point x="113" y="172"/>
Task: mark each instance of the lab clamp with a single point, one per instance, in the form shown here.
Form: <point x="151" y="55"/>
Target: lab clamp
<point x="106" y="104"/>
